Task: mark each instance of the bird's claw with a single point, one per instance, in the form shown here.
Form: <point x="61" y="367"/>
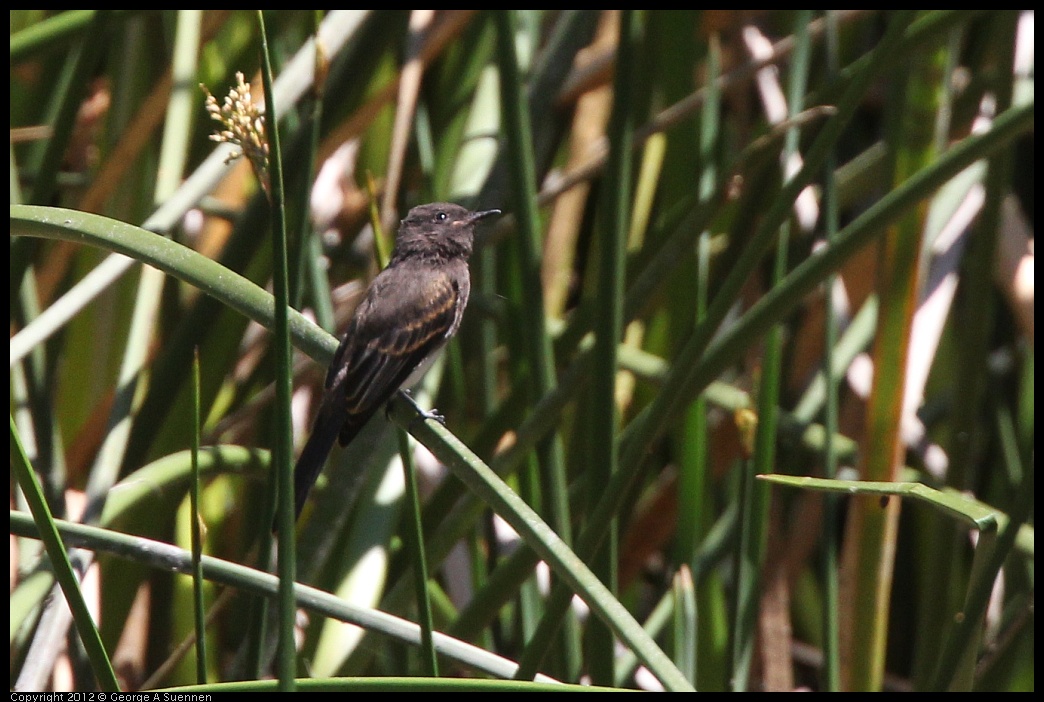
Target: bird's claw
<point x="422" y="414"/>
<point x="433" y="414"/>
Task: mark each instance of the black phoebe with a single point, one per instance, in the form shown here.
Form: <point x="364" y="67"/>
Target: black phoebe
<point x="410" y="311"/>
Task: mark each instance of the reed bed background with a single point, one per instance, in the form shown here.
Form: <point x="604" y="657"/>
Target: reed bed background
<point x="743" y="399"/>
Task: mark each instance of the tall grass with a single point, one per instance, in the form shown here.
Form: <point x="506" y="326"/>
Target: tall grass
<point x="740" y="251"/>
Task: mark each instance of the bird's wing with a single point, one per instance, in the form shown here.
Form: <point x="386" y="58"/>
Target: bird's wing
<point x="390" y="335"/>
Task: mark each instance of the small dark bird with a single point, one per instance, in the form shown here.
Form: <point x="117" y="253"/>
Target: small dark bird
<point x="410" y="311"/>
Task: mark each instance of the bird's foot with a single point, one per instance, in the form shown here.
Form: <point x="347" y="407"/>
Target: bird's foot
<point x="422" y="414"/>
<point x="432" y="414"/>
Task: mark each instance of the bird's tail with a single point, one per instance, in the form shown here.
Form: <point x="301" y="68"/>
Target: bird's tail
<point x="313" y="456"/>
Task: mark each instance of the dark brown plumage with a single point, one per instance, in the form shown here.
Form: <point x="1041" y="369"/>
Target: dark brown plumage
<point x="409" y="312"/>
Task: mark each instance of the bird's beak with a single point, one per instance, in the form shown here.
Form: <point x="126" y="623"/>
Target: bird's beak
<point x="476" y="216"/>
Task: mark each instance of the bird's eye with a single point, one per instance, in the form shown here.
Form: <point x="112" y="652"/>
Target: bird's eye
<point x="441" y="216"/>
